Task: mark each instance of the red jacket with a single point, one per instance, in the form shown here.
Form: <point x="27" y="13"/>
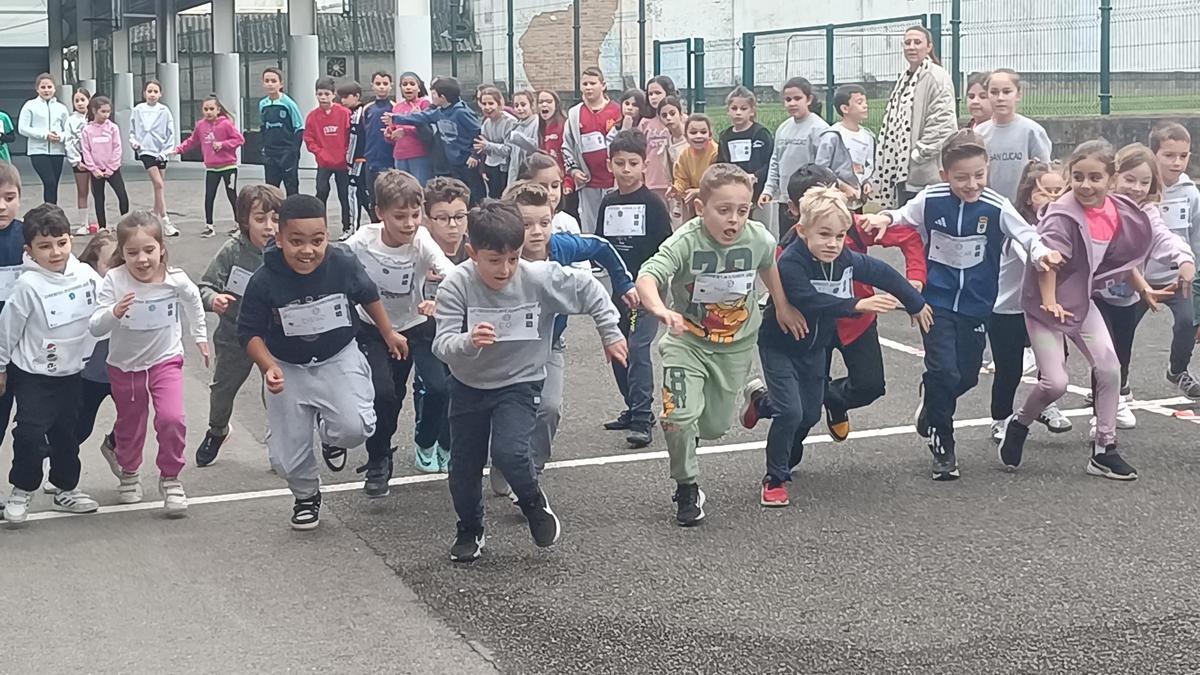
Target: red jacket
<point x="552" y="141"/>
<point x="903" y="237"/>
<point x="327" y="136"/>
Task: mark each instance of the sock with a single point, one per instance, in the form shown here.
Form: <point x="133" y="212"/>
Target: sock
<point x="83" y="216"/>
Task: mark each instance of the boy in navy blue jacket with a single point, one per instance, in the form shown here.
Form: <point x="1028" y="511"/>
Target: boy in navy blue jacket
<point x="377" y="150"/>
<point x="12" y="250"/>
<point x="967" y="224"/>
<point x="298" y="322"/>
<point x="457" y="127"/>
<point x="818" y="275"/>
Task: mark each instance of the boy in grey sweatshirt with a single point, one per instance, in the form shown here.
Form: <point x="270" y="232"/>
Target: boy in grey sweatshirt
<point x="495" y="321"/>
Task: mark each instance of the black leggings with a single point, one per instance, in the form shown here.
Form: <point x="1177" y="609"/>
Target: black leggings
<point x="1009" y="337"/>
<point x="118" y="186"/>
<point x="49" y="169"/>
<point x="94" y="394"/>
<point x="213" y="180"/>
<point x="497" y="180"/>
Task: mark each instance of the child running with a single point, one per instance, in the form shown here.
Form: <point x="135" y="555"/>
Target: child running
<point x="522" y="139"/>
<point x="495" y="322"/>
<point x="140" y="304"/>
<point x="585" y="144"/>
<point x="350" y="96"/>
<point x="101" y="148"/>
<point x="98" y="254"/>
<point x="709" y="268"/>
<point x="152" y="135"/>
<point x="1102" y="238"/>
<point x="967" y="224"/>
<point x="796" y="142"/>
<point x="12" y="251"/>
<point x="221" y="289"/>
<point x="219" y="140"/>
<point x="457" y="126"/>
<point x="746" y="144"/>
<point x="44" y="336"/>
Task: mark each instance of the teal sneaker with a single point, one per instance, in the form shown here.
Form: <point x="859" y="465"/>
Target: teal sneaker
<point x="443" y="457"/>
<point x="426" y="459"/>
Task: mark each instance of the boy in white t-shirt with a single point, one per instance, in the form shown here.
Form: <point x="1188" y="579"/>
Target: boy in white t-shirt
<point x="847" y="147"/>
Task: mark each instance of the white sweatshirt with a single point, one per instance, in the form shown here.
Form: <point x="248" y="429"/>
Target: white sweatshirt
<point x="398" y="272"/>
<point x="73" y="141"/>
<point x="152" y="128"/>
<point x="150" y="332"/>
<point x="44" y="325"/>
<point x="38" y="118"/>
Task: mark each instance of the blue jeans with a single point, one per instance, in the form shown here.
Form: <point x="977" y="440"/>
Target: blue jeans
<point x="390" y="379"/>
<point x="953" y="354"/>
<point x="796" y="389"/>
<point x="636" y="380"/>
<point x="418" y="167"/>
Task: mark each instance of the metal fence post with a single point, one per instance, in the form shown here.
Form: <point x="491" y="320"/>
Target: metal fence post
<point x="657" y="58"/>
<point x="748" y="61"/>
<point x="642" y="43"/>
<point x="512" y="51"/>
<point x="1105" y="57"/>
<point x="691" y="82"/>
<point x="578" y="53"/>
<point x="956" y="47"/>
<point x="830" y="80"/>
<point x="935" y="27"/>
<point x="698" y="76"/>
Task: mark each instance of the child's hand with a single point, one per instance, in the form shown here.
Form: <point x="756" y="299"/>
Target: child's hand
<point x="916" y="284"/>
<point x="472" y="162"/>
<point x="273" y="376"/>
<point x="480" y="144"/>
<point x="627" y="123"/>
<point x="764" y="199"/>
<point x="1057" y="311"/>
<point x="1152" y="298"/>
<point x="877" y="304"/>
<point x="122" y="307"/>
<point x="580" y="177"/>
<point x="923" y="318"/>
<point x="791" y="320"/>
<point x="1187" y="273"/>
<point x="426" y="308"/>
<point x="1050" y="261"/>
<point x="632" y="299"/>
<point x="397" y="344"/>
<point x="221" y="302"/>
<point x="98" y="174"/>
<point x="689" y="197"/>
<point x="136" y="146"/>
<point x="53" y="137"/>
<point x="202" y="347"/>
<point x="483" y="335"/>
<point x="217" y="145"/>
<point x="674" y="322"/>
<point x="617" y="351"/>
<point x="876" y="223"/>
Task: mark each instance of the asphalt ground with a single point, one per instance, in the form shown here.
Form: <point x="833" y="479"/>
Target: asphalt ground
<point x="873" y="569"/>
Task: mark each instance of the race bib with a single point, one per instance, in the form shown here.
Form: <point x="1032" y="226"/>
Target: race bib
<point x="593" y="142"/>
<point x="238" y="278"/>
<point x="391" y="275"/>
<point x="429" y="288"/>
<point x="447" y="128"/>
<point x="1175" y="214"/>
<point x="314" y="318"/>
<point x="152" y="313"/>
<point x="512" y="324"/>
<point x="958" y="252"/>
<point x="739" y="151"/>
<point x="840" y="288"/>
<point x="1117" y="289"/>
<point x="8" y="277"/>
<point x="69" y="304"/>
<point x="627" y="220"/>
<point x="722" y="287"/>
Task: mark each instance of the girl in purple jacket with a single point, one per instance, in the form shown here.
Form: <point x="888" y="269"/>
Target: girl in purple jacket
<point x="1103" y="238"/>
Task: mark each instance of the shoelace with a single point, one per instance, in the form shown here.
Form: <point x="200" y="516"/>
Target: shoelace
<point x="331" y="454"/>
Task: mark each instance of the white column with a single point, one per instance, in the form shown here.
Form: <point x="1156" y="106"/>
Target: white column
<point x="414" y="38"/>
<point x="83" y="29"/>
<point x="120" y="51"/>
<point x="224" y="26"/>
<point x="66" y="94"/>
<point x="302" y="17"/>
<point x="168" y="77"/>
<point x="304" y="56"/>
<point x="226" y="62"/>
<point x="168" y="69"/>
<point x="90" y="85"/>
<point x="54" y="21"/>
<point x="123" y="102"/>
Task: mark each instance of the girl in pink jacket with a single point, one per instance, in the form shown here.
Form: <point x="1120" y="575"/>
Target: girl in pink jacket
<point x="219" y="140"/>
<point x="100" y="146"/>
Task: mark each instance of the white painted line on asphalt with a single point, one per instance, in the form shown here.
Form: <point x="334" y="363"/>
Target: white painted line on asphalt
<point x="625" y="458"/>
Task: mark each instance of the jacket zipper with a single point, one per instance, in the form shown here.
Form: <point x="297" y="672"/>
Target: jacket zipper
<point x="961" y="272"/>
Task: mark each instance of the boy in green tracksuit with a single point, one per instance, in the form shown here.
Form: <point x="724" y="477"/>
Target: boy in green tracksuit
<point x="221" y="289"/>
<point x="710" y="266"/>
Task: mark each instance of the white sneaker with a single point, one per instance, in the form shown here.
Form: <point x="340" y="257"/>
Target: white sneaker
<point x="17" y="508"/>
<point x="175" y="501"/>
<point x="989" y="368"/>
<point x="80" y="231"/>
<point x="169" y="230"/>
<point x="1054" y="419"/>
<point x="48" y="487"/>
<point x="1028" y="362"/>
<point x="130" y="489"/>
<point x="75" y="501"/>
<point x="998" y="430"/>
<point x="1125" y="418"/>
<point x="108" y="450"/>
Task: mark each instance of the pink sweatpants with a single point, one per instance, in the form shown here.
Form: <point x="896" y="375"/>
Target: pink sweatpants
<point x="132" y="394"/>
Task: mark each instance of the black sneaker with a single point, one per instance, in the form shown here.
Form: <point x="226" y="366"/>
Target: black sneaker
<point x="1012" y="442"/>
<point x="468" y="545"/>
<point x="921" y="423"/>
<point x="620" y="424"/>
<point x="945" y="464"/>
<point x="639" y="436"/>
<point x="838" y="422"/>
<point x="335" y="457"/>
<point x="379" y="472"/>
<point x="689" y="503"/>
<point x="206" y="454"/>
<point x="306" y="514"/>
<point x="1187" y="384"/>
<point x="1110" y="465"/>
<point x="543" y="524"/>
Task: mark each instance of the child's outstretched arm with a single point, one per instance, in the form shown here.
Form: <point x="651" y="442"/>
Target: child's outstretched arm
<point x="1048" y="287"/>
<point x="575" y="291"/>
<point x="790" y="319"/>
<point x="396" y="343"/>
<point x="193" y="309"/>
<point x="1016" y="228"/>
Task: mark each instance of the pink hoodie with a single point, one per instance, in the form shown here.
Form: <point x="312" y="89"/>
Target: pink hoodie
<point x="223" y="130"/>
<point x="100" y="146"/>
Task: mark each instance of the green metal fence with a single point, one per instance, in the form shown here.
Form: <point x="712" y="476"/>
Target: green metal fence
<point x="683" y="61"/>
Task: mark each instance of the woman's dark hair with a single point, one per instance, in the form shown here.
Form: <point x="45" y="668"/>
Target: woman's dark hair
<point x="806" y="88"/>
<point x="933" y="56"/>
<point x="95" y="104"/>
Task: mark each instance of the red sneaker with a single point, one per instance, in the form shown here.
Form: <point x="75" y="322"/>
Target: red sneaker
<point x="774" y="495"/>
<point x="753" y="392"/>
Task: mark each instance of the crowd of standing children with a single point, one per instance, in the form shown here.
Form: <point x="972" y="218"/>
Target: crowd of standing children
<point x="482" y="226"/>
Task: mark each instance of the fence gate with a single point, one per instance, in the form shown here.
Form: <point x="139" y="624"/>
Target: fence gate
<point x="683" y="61"/>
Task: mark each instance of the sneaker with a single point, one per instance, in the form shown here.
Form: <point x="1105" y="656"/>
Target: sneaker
<point x="468" y="545"/>
<point x="335" y="457"/>
<point x="426" y="459"/>
<point x="997" y="432"/>
<point x="689" y="503"/>
<point x="543" y="524"/>
<point x="175" y="501"/>
<point x="989" y="368"/>
<point x="49" y="488"/>
<point x="379" y="472"/>
<point x="838" y="422"/>
<point x="17" y="508"/>
<point x="1054" y="420"/>
<point x="306" y="513"/>
<point x="639" y="436"/>
<point x="108" y="450"/>
<point x="93" y="228"/>
<point x="919" y="420"/>
<point x="206" y="454"/>
<point x="774" y="494"/>
<point x="208" y="231"/>
<point x="945" y="464"/>
<point x="169" y="230"/>
<point x="130" y="489"/>
<point x="1028" y="362"/>
<point x="443" y="456"/>
<point x="1125" y="418"/>
<point x="75" y="501"/>
<point x="753" y="392"/>
<point x="80" y="231"/>
<point x="620" y="424"/>
<point x="1109" y="464"/>
<point x="1012" y="442"/>
<point x="1187" y="384"/>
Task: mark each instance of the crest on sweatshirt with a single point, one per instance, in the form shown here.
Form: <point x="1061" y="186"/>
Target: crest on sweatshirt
<point x="982" y="226"/>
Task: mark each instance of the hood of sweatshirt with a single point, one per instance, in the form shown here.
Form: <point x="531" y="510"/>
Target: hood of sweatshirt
<point x="47" y="278"/>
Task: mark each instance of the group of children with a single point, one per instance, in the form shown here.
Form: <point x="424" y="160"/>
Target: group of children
<point x="474" y="300"/>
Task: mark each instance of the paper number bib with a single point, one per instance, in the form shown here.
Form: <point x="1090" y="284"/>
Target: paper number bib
<point x="722" y="287"/>
<point x="8" y="277"/>
<point x="238" y="278"/>
<point x="512" y="324"/>
<point x="313" y="318"/>
<point x="1175" y="214"/>
<point x="390" y="275"/>
<point x="840" y="288"/>
<point x="739" y="151"/>
<point x="958" y="252"/>
<point x="628" y="220"/>
<point x="69" y="304"/>
<point x="152" y="313"/>
<point x="593" y="142"/>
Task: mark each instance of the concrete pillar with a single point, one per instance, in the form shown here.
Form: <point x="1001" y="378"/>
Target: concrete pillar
<point x="168" y="76"/>
<point x="302" y="17"/>
<point x="120" y="51"/>
<point x="65" y="94"/>
<point x="414" y="38"/>
<point x="123" y="102"/>
<point x="227" y="77"/>
<point x="90" y="85"/>
<point x="304" y="61"/>
<point x="83" y="29"/>
<point x="164" y="24"/>
<point x="54" y="22"/>
<point x="224" y="26"/>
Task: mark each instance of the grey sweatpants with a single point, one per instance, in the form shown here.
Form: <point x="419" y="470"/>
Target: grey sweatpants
<point x="545" y="425"/>
<point x="589" y="208"/>
<point x="336" y="397"/>
<point x="231" y="367"/>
